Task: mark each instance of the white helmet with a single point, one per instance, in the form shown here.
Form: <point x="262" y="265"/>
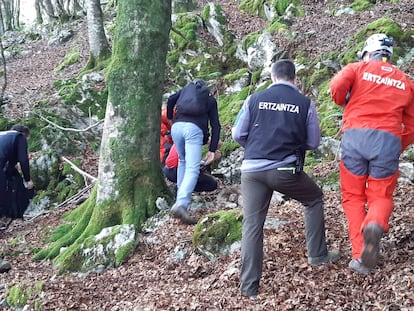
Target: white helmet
<point x="378" y="42"/>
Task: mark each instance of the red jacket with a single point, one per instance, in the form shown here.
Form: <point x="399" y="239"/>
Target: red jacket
<point x="172" y="158"/>
<point x="165" y="138"/>
<point x="381" y="97"/>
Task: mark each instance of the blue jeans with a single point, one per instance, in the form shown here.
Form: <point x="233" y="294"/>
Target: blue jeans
<point x="188" y="139"/>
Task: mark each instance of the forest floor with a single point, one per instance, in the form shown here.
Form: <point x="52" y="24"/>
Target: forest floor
<point x="166" y="272"/>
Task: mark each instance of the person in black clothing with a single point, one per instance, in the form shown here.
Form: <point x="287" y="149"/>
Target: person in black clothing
<point x="189" y="132"/>
<point x="205" y="181"/>
<point x="13" y="155"/>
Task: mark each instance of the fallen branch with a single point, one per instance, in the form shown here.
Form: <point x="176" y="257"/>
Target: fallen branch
<point x="75" y="197"/>
<point x="68" y="129"/>
<point x="77" y="169"/>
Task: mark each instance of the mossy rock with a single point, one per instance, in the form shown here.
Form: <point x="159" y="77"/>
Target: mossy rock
<point x="361" y="5"/>
<point x="330" y="114"/>
<point x="108" y="248"/>
<point x="89" y="97"/>
<point x="216" y="234"/>
<point x="257" y="7"/>
<point x="404" y="39"/>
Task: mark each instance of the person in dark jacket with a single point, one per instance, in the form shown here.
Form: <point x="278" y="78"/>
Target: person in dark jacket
<point x="275" y="127"/>
<point x="13" y="155"/>
<point x="205" y="181"/>
<point x="189" y="132"/>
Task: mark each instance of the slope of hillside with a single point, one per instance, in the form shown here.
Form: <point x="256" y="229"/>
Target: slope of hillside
<point x="166" y="272"/>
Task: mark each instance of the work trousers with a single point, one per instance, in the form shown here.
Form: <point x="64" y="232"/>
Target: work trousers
<point x="368" y="176"/>
<point x="257" y="189"/>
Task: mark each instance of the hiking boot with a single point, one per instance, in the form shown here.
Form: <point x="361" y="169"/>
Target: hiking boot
<point x="4" y="266"/>
<point x="331" y="256"/>
<point x="181" y="213"/>
<point x="372" y="236"/>
<point x="358" y="266"/>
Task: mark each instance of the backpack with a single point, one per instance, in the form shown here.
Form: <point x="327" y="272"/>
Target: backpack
<point x="193" y="99"/>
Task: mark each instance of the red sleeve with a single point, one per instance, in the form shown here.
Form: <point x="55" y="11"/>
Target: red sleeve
<point x="342" y="83"/>
<point x="165" y="125"/>
<point x="407" y="136"/>
<point x="172" y="158"/>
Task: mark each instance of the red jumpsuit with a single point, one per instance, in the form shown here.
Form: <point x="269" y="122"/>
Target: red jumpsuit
<point x="378" y="124"/>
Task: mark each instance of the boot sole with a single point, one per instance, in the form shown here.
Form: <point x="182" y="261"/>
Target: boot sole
<point x="370" y="253"/>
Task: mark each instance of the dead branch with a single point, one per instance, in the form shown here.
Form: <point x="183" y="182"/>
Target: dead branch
<point x="68" y="129"/>
<point x="77" y="169"/>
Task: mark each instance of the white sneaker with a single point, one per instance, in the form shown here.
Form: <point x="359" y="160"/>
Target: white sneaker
<point x="358" y="266"/>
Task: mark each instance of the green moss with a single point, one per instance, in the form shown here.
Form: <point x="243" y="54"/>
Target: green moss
<point x="250" y="39"/>
<point x="184" y="34"/>
<point x="17" y="297"/>
<point x="385" y="25"/>
<point x="5" y="124"/>
<point x="361" y="5"/>
<point x="72" y="57"/>
<point x="123" y="253"/>
<point x="91" y="99"/>
<point x="220" y="17"/>
<point x="276" y="26"/>
<point x="59" y="232"/>
<point x="256" y="7"/>
<point x="217" y="230"/>
<point x="330" y="114"/>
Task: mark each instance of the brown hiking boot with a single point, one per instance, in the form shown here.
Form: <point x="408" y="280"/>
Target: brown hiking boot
<point x="372" y="236"/>
<point x="4" y="266"/>
<point x="181" y="213"/>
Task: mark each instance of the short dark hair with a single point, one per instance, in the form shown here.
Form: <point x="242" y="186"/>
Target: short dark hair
<point x="284" y="69"/>
<point x="21" y="128"/>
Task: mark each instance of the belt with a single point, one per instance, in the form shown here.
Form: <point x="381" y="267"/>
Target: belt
<point x="288" y="168"/>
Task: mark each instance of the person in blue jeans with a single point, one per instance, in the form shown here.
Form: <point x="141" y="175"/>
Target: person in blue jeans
<point x="276" y="126"/>
<point x="189" y="133"/>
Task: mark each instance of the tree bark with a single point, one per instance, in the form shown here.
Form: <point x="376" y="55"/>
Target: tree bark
<point x="99" y="49"/>
<point x="130" y="177"/>
<point x="182" y="6"/>
<point x="39" y="18"/>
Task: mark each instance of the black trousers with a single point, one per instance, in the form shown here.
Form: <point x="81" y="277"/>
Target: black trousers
<point x="205" y="182"/>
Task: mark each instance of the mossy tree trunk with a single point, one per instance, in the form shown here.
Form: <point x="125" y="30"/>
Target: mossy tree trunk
<point x="99" y="49"/>
<point x="130" y="178"/>
<point x="182" y="6"/>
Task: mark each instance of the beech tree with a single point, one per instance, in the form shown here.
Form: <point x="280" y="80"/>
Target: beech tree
<point x="11" y="15"/>
<point x="59" y="10"/>
<point x="99" y="49"/>
<point x="130" y="178"/>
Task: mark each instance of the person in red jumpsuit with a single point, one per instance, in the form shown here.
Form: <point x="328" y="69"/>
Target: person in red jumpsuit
<point x="378" y="124"/>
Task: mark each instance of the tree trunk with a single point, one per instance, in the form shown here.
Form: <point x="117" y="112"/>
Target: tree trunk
<point x="182" y="6"/>
<point x="7" y="15"/>
<point x="50" y="11"/>
<point x="130" y="177"/>
<point x="98" y="44"/>
<point x="39" y="18"/>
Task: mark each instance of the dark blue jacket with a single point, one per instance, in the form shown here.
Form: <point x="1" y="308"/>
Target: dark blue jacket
<point x="277" y="123"/>
<point x="201" y="121"/>
<point x="13" y="150"/>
